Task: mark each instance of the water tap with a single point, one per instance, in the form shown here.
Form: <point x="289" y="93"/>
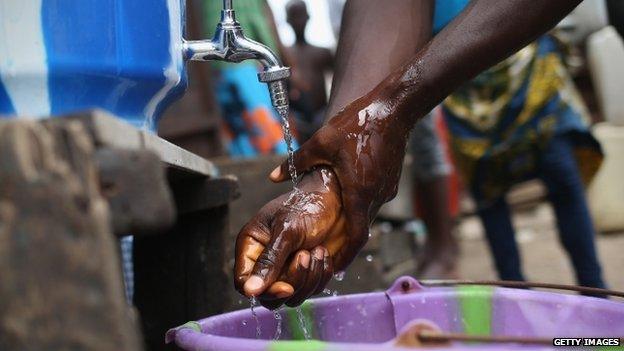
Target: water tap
<point x="229" y="44"/>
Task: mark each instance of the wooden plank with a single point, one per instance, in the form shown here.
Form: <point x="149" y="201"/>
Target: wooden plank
<point x="180" y="276"/>
<point x="61" y="286"/>
<point x="204" y="194"/>
<point x="133" y="182"/>
<point x="107" y="130"/>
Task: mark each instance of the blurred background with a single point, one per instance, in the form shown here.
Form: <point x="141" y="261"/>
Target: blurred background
<point x="213" y="120"/>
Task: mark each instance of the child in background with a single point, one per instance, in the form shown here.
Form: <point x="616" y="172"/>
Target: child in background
<point x="313" y="62"/>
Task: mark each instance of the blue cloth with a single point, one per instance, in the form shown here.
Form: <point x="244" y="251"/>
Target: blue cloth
<point x="251" y="124"/>
<point x="559" y="172"/>
<point x="446" y="11"/>
<point x="127" y="265"/>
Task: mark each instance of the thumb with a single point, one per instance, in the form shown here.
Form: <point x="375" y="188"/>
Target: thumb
<point x="269" y="265"/>
<point x="309" y="155"/>
<point x="357" y="227"/>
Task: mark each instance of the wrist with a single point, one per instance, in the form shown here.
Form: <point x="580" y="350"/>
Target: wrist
<point x="418" y="86"/>
<point x="320" y="178"/>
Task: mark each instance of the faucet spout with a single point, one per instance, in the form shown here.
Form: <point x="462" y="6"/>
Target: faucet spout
<point x="229" y="44"/>
<point x="227" y="5"/>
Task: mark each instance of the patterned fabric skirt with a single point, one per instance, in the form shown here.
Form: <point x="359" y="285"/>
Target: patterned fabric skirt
<point x="501" y="121"/>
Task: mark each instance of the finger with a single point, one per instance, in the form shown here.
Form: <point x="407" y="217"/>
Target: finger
<point x="328" y="273"/>
<point x="270" y="263"/>
<point x="358" y="228"/>
<point x="349" y="253"/>
<point x="249" y="246"/>
<point x="251" y="241"/>
<point x="279" y="290"/>
<point x="305" y="158"/>
<point x="276" y="295"/>
<point x="292" y="280"/>
<point x="312" y="280"/>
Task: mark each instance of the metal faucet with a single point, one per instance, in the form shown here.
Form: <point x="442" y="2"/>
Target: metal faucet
<point x="230" y="44"/>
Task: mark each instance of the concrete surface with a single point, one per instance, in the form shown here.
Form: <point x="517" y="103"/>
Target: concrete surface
<point x="543" y="257"/>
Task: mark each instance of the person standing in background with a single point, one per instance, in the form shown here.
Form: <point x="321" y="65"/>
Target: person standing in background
<point x="519" y="120"/>
<point x="251" y="126"/>
<point x="312" y="62"/>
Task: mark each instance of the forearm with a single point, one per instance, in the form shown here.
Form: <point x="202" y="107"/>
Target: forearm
<point x="485" y="33"/>
<point x="364" y="143"/>
<point x="376" y="38"/>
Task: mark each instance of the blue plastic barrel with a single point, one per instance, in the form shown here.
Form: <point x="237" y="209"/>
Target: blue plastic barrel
<point x="62" y="56"/>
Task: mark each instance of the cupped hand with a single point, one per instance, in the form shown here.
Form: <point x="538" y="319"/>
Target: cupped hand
<point x="364" y="144"/>
<point x="288" y="251"/>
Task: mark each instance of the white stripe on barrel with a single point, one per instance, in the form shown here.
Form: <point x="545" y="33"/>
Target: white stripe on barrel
<point x="23" y="68"/>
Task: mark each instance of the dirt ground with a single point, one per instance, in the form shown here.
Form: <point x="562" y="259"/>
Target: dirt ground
<point x="542" y="256"/>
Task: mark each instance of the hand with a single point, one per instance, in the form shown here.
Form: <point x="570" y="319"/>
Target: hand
<point x="287" y="252"/>
<point x="364" y="144"/>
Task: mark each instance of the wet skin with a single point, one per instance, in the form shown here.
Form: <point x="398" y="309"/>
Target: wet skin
<point x="294" y="242"/>
<point x="364" y="143"/>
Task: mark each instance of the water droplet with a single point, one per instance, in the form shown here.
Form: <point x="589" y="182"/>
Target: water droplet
<point x="327" y="291"/>
<point x="339" y="276"/>
<point x="335" y="293"/>
<point x="385" y="227"/>
<point x="369" y="258"/>
<point x="244" y="323"/>
<point x="278" y="328"/>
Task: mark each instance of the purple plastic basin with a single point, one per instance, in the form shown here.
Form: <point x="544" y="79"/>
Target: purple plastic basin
<point x="372" y="321"/>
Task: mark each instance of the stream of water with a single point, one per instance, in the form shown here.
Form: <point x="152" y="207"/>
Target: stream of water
<point x="278" y="328"/>
<point x="254" y="315"/>
<point x="302" y="323"/>
<point x="288" y="137"/>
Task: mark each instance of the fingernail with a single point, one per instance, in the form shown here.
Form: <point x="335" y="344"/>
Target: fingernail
<point x="283" y="294"/>
<point x="253" y="285"/>
<point x="304" y="260"/>
<point x="276" y="172"/>
<point x="318" y="254"/>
